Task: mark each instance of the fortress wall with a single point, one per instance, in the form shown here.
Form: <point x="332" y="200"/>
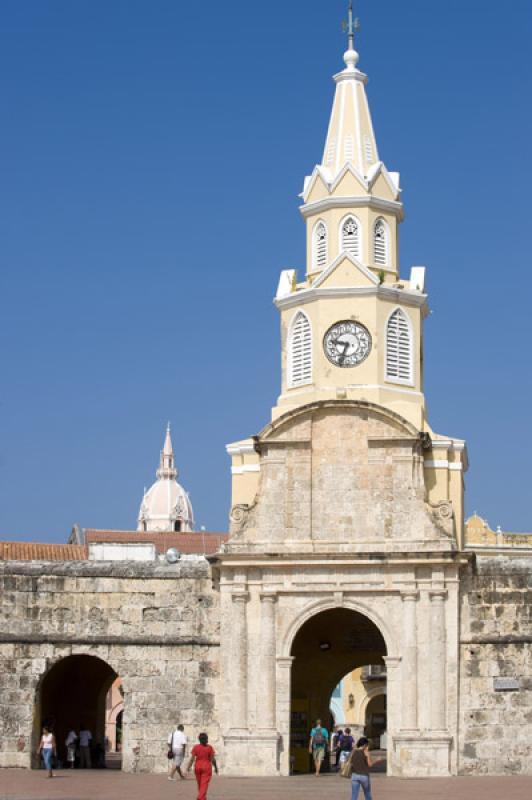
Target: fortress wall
<point x="156" y="625"/>
<point x="496" y="643"/>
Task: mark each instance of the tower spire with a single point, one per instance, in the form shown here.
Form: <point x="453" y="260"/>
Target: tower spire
<point x="166" y="465"/>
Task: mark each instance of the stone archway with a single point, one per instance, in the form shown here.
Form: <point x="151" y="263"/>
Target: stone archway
<point x="326" y="646"/>
<point x="72" y="694"/>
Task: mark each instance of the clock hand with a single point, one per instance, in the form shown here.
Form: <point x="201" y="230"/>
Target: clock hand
<point x="344" y="353"/>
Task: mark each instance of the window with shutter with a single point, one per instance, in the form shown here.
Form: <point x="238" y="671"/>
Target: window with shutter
<point x="300" y="351"/>
<point x="399" y="348"/>
<point x="350" y="237"/>
<point x="380" y="243"/>
<point x="320" y="246"/>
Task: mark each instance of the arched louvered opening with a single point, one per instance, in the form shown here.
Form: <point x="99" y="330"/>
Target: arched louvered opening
<point x="399" y="348"/>
<point x="380" y="243"/>
<point x="320" y="246"/>
<point x="300" y="351"/>
<point x="350" y="236"/>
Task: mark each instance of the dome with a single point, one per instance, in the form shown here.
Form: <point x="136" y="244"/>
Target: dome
<point x="166" y="505"/>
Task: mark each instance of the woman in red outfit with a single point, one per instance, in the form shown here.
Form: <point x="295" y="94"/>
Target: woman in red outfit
<point x="203" y="757"/>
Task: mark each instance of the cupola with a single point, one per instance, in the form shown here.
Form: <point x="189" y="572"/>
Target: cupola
<point x="166" y="505"/>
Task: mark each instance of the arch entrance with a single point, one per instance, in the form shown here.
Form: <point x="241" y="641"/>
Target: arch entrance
<point x="328" y="646"/>
<point x="74" y="694"/>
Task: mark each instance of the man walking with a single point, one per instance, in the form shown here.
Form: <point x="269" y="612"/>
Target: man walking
<point x="319" y="738"/>
<point x="177" y="743"/>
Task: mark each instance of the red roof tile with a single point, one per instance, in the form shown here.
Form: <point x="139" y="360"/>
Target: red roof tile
<point x="199" y="542"/>
<point x="37" y="551"/>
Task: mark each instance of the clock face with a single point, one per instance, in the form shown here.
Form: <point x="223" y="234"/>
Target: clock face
<point x="347" y="343"/>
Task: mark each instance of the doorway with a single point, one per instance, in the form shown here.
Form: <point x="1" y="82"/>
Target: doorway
<point x="327" y="647"/>
<point x="72" y="695"/>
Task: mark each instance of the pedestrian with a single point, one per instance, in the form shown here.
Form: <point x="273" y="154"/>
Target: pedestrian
<point x="177" y="746"/>
<point x="360" y="762"/>
<point x="47" y="749"/>
<point x="335" y="746"/>
<point x="345" y="746"/>
<point x="70" y="743"/>
<point x="317" y="747"/>
<point x="85" y="739"/>
<point x="203" y="757"/>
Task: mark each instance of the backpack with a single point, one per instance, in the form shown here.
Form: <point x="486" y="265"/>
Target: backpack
<point x="319" y="738"/>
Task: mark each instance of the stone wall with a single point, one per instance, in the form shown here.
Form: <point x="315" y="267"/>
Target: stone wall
<point x="157" y="626"/>
<point x="496" y="642"/>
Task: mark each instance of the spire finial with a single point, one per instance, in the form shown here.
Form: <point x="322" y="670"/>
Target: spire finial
<point x="351" y="26"/>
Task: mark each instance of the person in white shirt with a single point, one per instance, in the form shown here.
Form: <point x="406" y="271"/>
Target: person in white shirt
<point x="177" y="744"/>
<point x="85" y="738"/>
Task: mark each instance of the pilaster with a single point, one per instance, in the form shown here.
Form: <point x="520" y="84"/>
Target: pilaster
<point x="239" y="649"/>
<point x="266" y="709"/>
<point x="438" y="660"/>
<point x="409" y="662"/>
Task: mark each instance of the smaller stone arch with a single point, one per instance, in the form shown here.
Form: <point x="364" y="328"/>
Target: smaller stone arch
<point x="370" y="694"/>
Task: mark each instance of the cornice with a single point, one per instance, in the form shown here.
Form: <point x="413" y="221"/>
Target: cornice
<point x="353" y="559"/>
<point x="353" y="201"/>
<point x="350" y="75"/>
<point x="402" y="296"/>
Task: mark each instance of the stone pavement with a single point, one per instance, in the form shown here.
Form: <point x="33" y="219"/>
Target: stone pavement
<point x="20" y="784"/>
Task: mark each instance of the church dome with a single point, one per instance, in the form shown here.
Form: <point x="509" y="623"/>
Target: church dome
<point x="166" y="505"/>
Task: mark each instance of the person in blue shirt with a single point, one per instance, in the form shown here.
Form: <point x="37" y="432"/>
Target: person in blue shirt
<point x="317" y="746"/>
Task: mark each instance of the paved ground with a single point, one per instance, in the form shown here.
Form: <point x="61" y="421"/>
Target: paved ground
<point x="110" y="785"/>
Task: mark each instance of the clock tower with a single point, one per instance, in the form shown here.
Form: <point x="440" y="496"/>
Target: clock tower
<point x="351" y="328"/>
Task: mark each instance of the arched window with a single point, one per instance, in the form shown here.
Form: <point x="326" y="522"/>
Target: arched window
<point x="380" y="243"/>
<point x="320" y="246"/>
<point x="350" y="237"/>
<point x="299" y="351"/>
<point x="399" y="348"/>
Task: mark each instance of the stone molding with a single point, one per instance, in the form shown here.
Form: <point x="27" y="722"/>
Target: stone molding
<point x="267" y="596"/>
<point x="409" y="594"/>
<point x="142" y="641"/>
<point x="108" y="569"/>
<point x="238" y="596"/>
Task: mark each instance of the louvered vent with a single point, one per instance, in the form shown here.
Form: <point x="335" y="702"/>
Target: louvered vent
<point x="300" y="351"/>
<point x="320" y="246"/>
<point x="368" y="149"/>
<point x="380" y="244"/>
<point x="398" y="348"/>
<point x="349" y="147"/>
<point x="331" y="151"/>
<point x="350" y="237"/>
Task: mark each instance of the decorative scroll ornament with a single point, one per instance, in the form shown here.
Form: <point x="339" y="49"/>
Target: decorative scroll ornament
<point x="238" y="518"/>
<point x="443" y="515"/>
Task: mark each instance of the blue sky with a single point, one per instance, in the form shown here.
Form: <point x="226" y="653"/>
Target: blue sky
<point x="151" y="156"/>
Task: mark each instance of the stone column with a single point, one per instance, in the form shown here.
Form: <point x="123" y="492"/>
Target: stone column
<point x="266" y="708"/>
<point x="239" y="650"/>
<point x="438" y="661"/>
<point x="409" y="662"/>
<point x="392" y="670"/>
<point x="284" y="689"/>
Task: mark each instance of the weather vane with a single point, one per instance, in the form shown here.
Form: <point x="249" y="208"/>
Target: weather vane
<point x="351" y="26"/>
